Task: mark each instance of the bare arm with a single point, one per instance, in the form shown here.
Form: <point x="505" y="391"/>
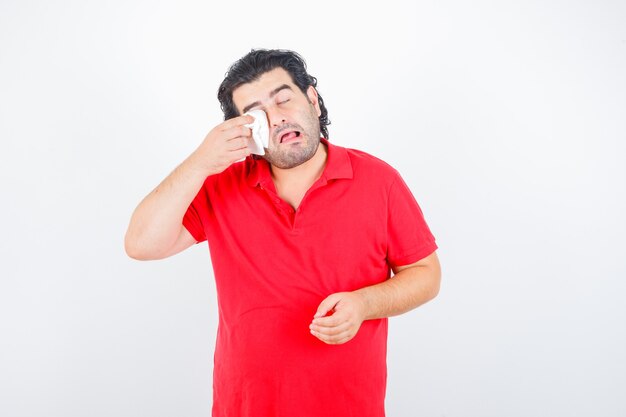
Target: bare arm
<point x="156" y="230"/>
<point x="411" y="286"/>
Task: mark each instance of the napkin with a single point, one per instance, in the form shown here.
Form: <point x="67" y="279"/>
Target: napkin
<point x="260" y="132"/>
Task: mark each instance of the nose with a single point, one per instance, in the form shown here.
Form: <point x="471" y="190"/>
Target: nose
<point x="275" y="117"/>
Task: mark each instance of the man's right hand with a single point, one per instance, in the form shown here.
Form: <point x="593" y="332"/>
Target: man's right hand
<point x="225" y="144"/>
<point x="156" y="230"/>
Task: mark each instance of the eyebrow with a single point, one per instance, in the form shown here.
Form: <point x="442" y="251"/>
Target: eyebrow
<point x="272" y="94"/>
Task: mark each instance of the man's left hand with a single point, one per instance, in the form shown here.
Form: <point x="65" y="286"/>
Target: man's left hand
<point x="338" y="318"/>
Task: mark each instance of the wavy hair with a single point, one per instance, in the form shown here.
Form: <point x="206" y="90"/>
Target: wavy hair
<point x="256" y="63"/>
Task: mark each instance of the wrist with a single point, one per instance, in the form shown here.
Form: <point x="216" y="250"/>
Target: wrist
<point x="365" y="303"/>
<point x="199" y="166"/>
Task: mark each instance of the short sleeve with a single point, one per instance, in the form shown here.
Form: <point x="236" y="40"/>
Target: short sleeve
<point x="408" y="236"/>
<point x="196" y="212"/>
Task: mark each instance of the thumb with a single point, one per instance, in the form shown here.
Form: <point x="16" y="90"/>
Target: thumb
<point x="327" y="305"/>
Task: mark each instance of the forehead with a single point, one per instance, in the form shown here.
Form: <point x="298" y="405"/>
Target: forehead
<point x="260" y="89"/>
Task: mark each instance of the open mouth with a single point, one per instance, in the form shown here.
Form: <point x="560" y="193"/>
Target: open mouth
<point x="289" y="136"/>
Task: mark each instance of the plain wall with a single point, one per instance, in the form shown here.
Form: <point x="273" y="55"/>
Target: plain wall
<point x="506" y="119"/>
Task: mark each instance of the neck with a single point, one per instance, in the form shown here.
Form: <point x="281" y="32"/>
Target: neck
<point x="307" y="172"/>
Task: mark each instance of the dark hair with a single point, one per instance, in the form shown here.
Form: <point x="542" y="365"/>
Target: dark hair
<point x="256" y="63"/>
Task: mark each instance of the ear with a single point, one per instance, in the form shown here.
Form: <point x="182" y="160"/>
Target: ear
<point x="311" y="93"/>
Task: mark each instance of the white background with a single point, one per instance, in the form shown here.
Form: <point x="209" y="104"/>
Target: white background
<point x="507" y="120"/>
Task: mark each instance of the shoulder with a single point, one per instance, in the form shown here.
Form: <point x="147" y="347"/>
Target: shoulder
<point x="367" y="159"/>
<point x="367" y="165"/>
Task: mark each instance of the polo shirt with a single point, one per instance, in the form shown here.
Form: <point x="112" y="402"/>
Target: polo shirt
<point x="273" y="266"/>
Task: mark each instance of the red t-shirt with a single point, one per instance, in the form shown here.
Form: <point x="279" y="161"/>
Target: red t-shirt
<point x="273" y="266"/>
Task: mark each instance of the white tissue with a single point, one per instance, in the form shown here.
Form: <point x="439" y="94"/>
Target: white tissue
<point x="260" y="132"/>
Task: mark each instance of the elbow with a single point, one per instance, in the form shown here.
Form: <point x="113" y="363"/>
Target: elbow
<point x="435" y="287"/>
<point x="135" y="250"/>
<point x="432" y="283"/>
<point x="132" y="251"/>
<point x="435" y="282"/>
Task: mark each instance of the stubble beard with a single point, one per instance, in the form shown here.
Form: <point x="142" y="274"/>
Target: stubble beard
<point x="290" y="156"/>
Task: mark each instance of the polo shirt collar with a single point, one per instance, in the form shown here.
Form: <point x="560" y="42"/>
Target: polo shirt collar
<point x="338" y="166"/>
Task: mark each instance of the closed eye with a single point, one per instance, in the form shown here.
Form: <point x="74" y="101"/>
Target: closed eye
<point x="283" y="102"/>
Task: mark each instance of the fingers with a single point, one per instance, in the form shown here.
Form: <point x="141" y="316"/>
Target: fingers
<point x="344" y="322"/>
<point x="335" y="339"/>
<point x="224" y="145"/>
<point x="335" y="335"/>
<point x="331" y="330"/>
<point x="236" y="121"/>
<point x="335" y="320"/>
<point x="233" y="145"/>
<point x="342" y="307"/>
<point x="327" y="305"/>
<point x="238" y="154"/>
<point x="223" y="161"/>
<point x="238" y="135"/>
<point x="335" y="324"/>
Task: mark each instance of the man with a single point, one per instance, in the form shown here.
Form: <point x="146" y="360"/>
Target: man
<point x="302" y="241"/>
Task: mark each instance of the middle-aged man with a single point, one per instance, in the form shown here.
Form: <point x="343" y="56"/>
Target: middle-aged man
<point x="302" y="240"/>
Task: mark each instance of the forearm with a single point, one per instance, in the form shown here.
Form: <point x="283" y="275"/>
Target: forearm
<point x="410" y="287"/>
<point x="405" y="291"/>
<point x="156" y="222"/>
